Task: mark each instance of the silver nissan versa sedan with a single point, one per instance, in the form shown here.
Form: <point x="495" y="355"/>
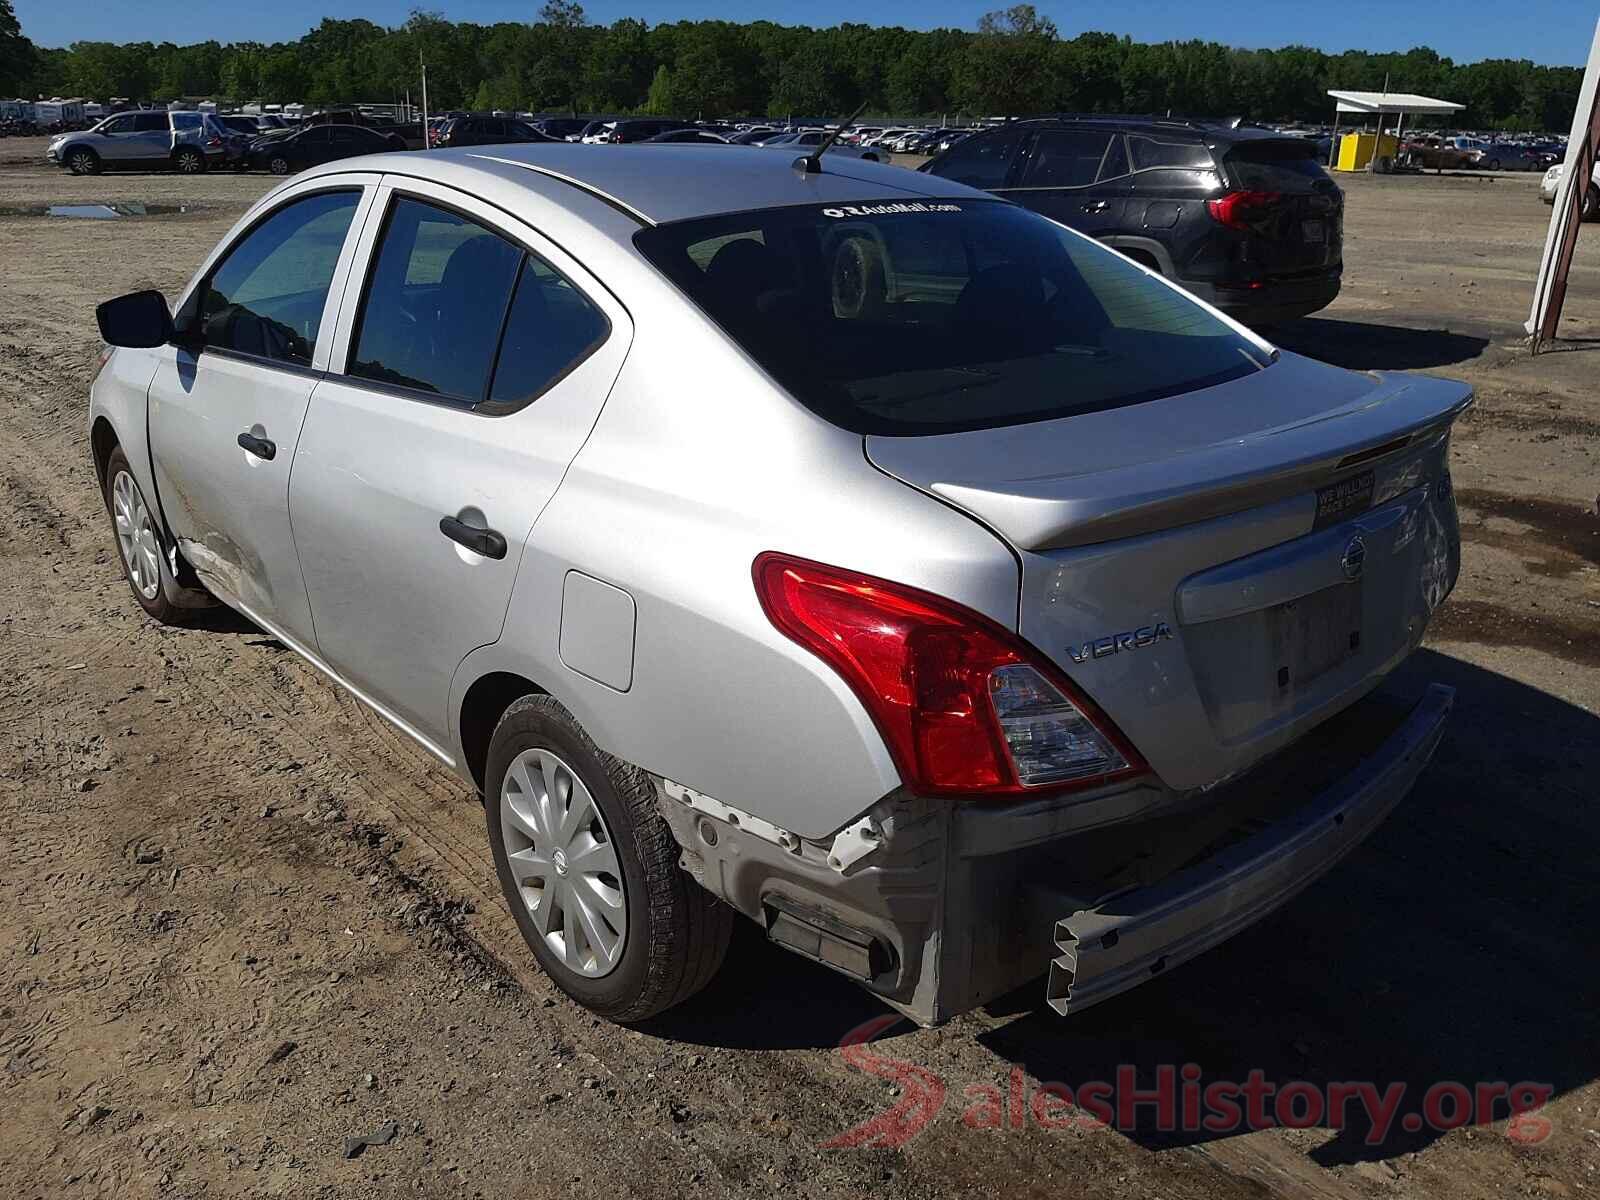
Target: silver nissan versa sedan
<point x="802" y="538"/>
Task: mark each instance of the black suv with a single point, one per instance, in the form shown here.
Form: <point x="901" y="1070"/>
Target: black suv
<point x="637" y="129"/>
<point x="1244" y="218"/>
<point x="486" y="131"/>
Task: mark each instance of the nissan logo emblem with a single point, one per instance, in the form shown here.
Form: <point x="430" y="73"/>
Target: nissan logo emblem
<point x="1354" y="558"/>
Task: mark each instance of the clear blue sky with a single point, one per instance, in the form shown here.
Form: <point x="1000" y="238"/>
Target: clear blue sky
<point x="1553" y="32"/>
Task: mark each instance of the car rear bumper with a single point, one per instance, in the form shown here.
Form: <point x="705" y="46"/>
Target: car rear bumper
<point x="945" y="906"/>
<point x="1276" y="300"/>
<point x="1122" y="942"/>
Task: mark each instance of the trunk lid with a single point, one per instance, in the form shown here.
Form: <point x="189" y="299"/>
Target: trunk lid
<point x="1219" y="570"/>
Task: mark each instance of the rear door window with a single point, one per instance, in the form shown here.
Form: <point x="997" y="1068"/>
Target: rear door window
<point x="551" y="328"/>
<point x="435" y="303"/>
<point x="456" y="311"/>
<point x="1066" y="158"/>
<point x="1115" y="165"/>
<point x="1149" y="152"/>
<point x="150" y="123"/>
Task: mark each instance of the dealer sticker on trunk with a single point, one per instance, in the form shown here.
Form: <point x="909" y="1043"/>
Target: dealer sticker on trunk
<point x="1344" y="499"/>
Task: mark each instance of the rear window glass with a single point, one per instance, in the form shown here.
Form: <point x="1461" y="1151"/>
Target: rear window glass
<point x="1277" y="167"/>
<point x="934" y="317"/>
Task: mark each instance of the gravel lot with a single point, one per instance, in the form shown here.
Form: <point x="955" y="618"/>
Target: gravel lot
<point x="243" y="920"/>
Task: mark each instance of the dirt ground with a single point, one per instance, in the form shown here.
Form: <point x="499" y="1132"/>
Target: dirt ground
<point x="241" y="919"/>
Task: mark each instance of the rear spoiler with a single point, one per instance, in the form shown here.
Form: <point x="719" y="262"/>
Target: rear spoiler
<point x="1083" y="508"/>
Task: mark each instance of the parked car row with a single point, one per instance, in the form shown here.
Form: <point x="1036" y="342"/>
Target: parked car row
<point x="191" y="142"/>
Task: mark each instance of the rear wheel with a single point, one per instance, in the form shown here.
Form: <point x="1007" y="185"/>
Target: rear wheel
<point x="590" y="869"/>
<point x="1591" y="203"/>
<point x="83" y="161"/>
<point x="133" y="523"/>
<point x="189" y="161"/>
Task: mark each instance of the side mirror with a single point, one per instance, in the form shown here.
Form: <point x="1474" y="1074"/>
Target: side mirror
<point x="139" y="320"/>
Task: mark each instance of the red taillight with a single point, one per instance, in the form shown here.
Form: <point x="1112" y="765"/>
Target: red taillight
<point x="960" y="701"/>
<point x="213" y="142"/>
<point x="1238" y="210"/>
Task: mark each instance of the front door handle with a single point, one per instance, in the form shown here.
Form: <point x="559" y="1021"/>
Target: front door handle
<point x="480" y="541"/>
<point x="1097" y="206"/>
<point x="259" y="446"/>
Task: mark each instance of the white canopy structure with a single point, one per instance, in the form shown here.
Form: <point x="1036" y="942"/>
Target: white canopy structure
<point x="1383" y="104"/>
<point x="1393" y="102"/>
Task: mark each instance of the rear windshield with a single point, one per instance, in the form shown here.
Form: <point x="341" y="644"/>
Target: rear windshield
<point x="931" y="317"/>
<point x="1277" y="167"/>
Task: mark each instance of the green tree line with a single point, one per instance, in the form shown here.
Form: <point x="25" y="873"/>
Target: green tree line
<point x="1014" y="63"/>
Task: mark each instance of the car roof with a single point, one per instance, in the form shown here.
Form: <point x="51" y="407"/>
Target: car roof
<point x="675" y="181"/>
<point x="1213" y="133"/>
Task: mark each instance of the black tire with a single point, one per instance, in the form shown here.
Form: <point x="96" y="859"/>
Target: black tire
<point x="278" y="165"/>
<point x="1591" y="203"/>
<point x="1493" y="164"/>
<point x="677" y="932"/>
<point x="83" y="161"/>
<point x="188" y="161"/>
<point x="157" y="606"/>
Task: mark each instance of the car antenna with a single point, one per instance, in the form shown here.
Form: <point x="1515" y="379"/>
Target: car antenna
<point x="810" y="164"/>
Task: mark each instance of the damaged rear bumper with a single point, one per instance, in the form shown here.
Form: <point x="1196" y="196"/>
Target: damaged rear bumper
<point x="1128" y="938"/>
<point x="947" y="906"/>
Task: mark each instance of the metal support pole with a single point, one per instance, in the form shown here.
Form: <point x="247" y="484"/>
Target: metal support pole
<point x="1583" y="147"/>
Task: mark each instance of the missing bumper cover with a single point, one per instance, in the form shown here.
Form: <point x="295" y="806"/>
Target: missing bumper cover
<point x="1128" y="937"/>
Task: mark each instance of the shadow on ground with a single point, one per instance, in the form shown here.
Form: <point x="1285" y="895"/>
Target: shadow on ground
<point x="1363" y="347"/>
<point x="1455" y="945"/>
<point x="219" y="618"/>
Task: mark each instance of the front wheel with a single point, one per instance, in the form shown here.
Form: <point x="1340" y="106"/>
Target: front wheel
<point x="1591" y="203"/>
<point x="590" y="869"/>
<point x="279" y="165"/>
<point x="139" y="547"/>
<point x="83" y="161"/>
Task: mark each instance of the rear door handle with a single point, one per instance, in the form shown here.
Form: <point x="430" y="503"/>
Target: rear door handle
<point x="480" y="541"/>
<point x="259" y="446"/>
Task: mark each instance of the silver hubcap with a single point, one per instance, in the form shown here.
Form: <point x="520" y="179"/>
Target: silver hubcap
<point x="136" y="536"/>
<point x="564" y="862"/>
